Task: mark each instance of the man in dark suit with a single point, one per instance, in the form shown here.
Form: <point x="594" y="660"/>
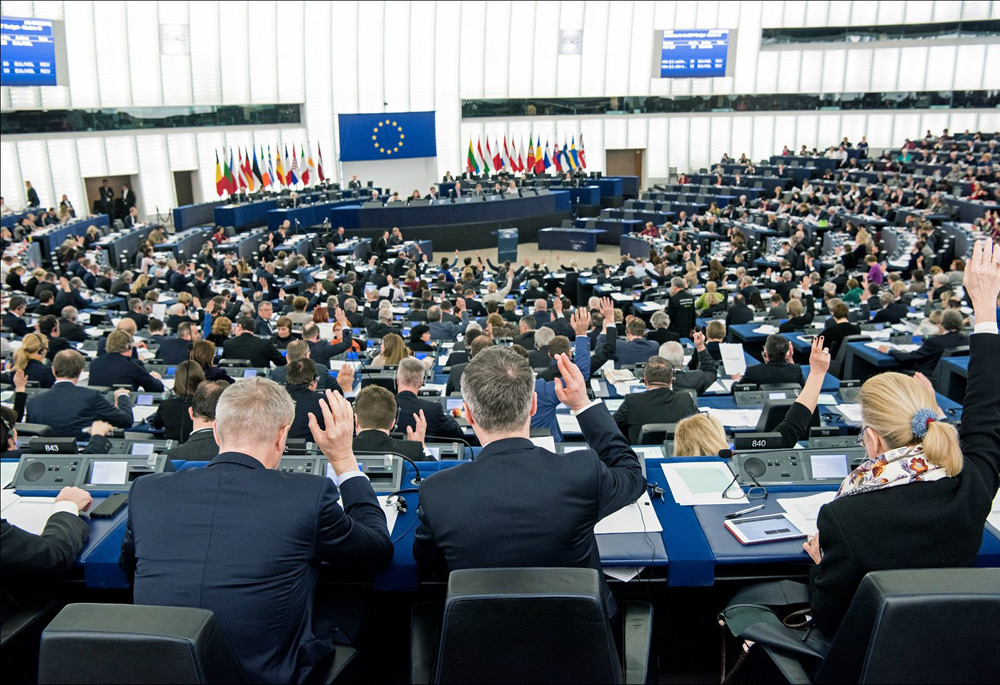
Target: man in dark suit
<point x="301" y="380"/>
<point x="465" y="521"/>
<point x="925" y="358"/>
<point x="69" y="328"/>
<point x="891" y="312"/>
<point x="698" y="379"/>
<point x="738" y="312"/>
<point x="636" y="349"/>
<point x="382" y="327"/>
<point x="254" y="538"/>
<point x="201" y="444"/>
<point x="454" y="383"/>
<point x="69" y="295"/>
<point x="128" y="199"/>
<point x="48" y="326"/>
<point x="321" y="351"/>
<point x="375" y="412"/>
<point x="117" y="367"/>
<point x="777" y="366"/>
<point x="262" y="325"/>
<point x="179" y="279"/>
<point x="245" y="345"/>
<point x="12" y="317"/>
<point x="69" y="408"/>
<point x="175" y="350"/>
<point x="659" y="404"/>
<point x="409" y="378"/>
<point x="107" y="199"/>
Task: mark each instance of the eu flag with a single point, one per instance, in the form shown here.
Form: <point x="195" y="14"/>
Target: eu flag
<point x="365" y="137"/>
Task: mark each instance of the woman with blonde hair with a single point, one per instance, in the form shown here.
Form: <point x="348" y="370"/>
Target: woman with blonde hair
<point x="393" y="351"/>
<point x="140" y="286"/>
<point x="30" y="358"/>
<point x="710" y="298"/>
<point x="701" y="435"/>
<point x="222" y="328"/>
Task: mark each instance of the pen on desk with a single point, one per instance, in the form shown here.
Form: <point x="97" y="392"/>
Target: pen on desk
<point x="737" y="514"/>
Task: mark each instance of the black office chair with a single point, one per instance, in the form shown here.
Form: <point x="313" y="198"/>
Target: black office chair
<point x="959" y="351"/>
<point x="33" y="429"/>
<point x="774" y="412"/>
<point x="527" y="625"/>
<point x="656" y="433"/>
<point x="19" y="635"/>
<point x="123" y="643"/>
<point x="954" y="610"/>
<point x="234" y="363"/>
<point x="387" y="381"/>
<point x="837" y="364"/>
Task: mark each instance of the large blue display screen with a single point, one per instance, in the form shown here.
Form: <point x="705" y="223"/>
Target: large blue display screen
<point x="697" y="53"/>
<point x="28" y="52"/>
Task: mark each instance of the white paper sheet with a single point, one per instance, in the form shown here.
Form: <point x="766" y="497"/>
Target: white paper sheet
<point x="826" y="398"/>
<point x="804" y="511"/>
<point x="875" y="344"/>
<point x="766" y="329"/>
<point x="595" y="384"/>
<point x="168" y="383"/>
<point x="568" y="424"/>
<point x="733" y="360"/>
<point x="637" y="517"/>
<point x="737" y="418"/>
<point x="546" y="443"/>
<point x="851" y="412"/>
<point x="722" y="386"/>
<point x="7" y="471"/>
<point x="27" y="513"/>
<point x="623" y="573"/>
<point x="700" y="483"/>
<point x="140" y="414"/>
<point x="390" y="511"/>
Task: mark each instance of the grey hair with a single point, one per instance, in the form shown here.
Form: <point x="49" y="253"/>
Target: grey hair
<point x="678" y="282"/>
<point x="673" y="352"/>
<point x="350" y="305"/>
<point x="410" y="372"/>
<point x="434" y="313"/>
<point x="253" y="410"/>
<point x="473" y="326"/>
<point x="498" y="385"/>
<point x="660" y="320"/>
<point x="543" y="336"/>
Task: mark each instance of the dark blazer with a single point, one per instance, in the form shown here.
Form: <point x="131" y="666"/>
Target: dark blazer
<point x="173" y="350"/>
<point x="71" y="331"/>
<point x="70" y="408"/>
<point x="439" y="424"/>
<point x="199" y="446"/>
<point x="659" y="405"/>
<point x="111" y="369"/>
<point x="934" y="525"/>
<point x="377" y="441"/>
<point x="172" y="416"/>
<point x="254" y="539"/>
<point x="260" y="352"/>
<point x="774" y="372"/>
<point x="466" y="521"/>
<point x="662" y="335"/>
<point x="35" y="371"/>
<point x="324" y="381"/>
<point x="738" y="314"/>
<point x="454" y="383"/>
<point x="16" y="324"/>
<point x="698" y="379"/>
<point x="306" y="402"/>
<point x="28" y="558"/>
<point x="634" y="351"/>
<point x="57" y="345"/>
<point x="321" y="351"/>
<point x="925" y="358"/>
<point x="834" y="334"/>
<point x="893" y="313"/>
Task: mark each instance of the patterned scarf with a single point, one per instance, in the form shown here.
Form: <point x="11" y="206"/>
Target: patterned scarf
<point x="901" y="466"/>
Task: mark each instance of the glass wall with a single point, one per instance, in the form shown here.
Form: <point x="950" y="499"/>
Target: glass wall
<point x="867" y="34"/>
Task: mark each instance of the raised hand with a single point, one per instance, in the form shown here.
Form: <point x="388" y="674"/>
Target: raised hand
<point x="819" y="356"/>
<point x="580" y="321"/>
<point x="336" y="438"/>
<point x="607" y="310"/>
<point x="699" y="340"/>
<point x="417" y="433"/>
<point x="982" y="280"/>
<point x="571" y="389"/>
<point x="345" y="378"/>
<point x="20" y="381"/>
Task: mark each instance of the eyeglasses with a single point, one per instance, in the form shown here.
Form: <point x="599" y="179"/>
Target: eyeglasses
<point x="757" y="491"/>
<point x="860" y="439"/>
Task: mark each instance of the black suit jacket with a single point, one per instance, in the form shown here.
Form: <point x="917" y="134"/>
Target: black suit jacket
<point x="173" y="350"/>
<point x="377" y="441"/>
<point x="934" y="525"/>
<point x="253" y="540"/>
<point x="16" y="324"/>
<point x="29" y="558"/>
<point x="306" y="402"/>
<point x="466" y="521"/>
<point x="260" y="352"/>
<point x="112" y="369"/>
<point x="774" y="372"/>
<point x="71" y="331"/>
<point x="69" y="408"/>
<point x="172" y="415"/>
<point x="659" y="405"/>
<point x="199" y="446"/>
<point x="925" y="358"/>
<point x="439" y="424"/>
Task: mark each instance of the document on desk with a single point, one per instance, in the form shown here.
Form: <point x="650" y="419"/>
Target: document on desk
<point x="736" y="418"/>
<point x="851" y="412"/>
<point x="826" y="398"/>
<point x="7" y="471"/>
<point x="701" y="483"/>
<point x="766" y="329"/>
<point x="568" y="424"/>
<point x="623" y="573"/>
<point x="637" y="517"/>
<point x="875" y="344"/>
<point x="389" y="510"/>
<point x="595" y="385"/>
<point x="168" y="383"/>
<point x="546" y="443"/>
<point x="27" y="513"/>
<point x="140" y="414"/>
<point x="733" y="360"/>
<point x="804" y="511"/>
<point x="722" y="386"/>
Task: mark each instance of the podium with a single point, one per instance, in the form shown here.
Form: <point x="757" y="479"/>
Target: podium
<point x="507" y="245"/>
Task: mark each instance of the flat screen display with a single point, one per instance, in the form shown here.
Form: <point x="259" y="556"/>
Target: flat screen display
<point x="828" y="465"/>
<point x="32" y="52"/>
<point x="694" y="53"/>
<point x="108" y="473"/>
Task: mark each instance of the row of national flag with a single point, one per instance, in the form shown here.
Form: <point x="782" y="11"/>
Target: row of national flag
<point x="246" y="171"/>
<point x="531" y="159"/>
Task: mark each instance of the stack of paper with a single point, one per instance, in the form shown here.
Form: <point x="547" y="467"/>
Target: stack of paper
<point x="733" y="360"/>
<point x="851" y="412"/>
<point x="27" y="513"/>
<point x="700" y="483"/>
<point x="736" y="418"/>
<point x="568" y="423"/>
<point x="766" y="329"/>
<point x="804" y="511"/>
<point x="637" y="517"/>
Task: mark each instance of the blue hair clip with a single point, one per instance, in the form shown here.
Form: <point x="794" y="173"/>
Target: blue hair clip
<point x="921" y="421"/>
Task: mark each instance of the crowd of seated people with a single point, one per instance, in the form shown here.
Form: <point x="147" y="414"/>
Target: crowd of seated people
<point x="349" y="359"/>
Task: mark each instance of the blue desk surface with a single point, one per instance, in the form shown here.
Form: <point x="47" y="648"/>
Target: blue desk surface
<point x="243" y="215"/>
<point x="873" y="356"/>
<point x="960" y="365"/>
<point x="464" y="211"/>
<point x="187" y="216"/>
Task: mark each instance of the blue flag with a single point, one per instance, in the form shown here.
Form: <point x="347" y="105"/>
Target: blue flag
<point x="366" y="137"/>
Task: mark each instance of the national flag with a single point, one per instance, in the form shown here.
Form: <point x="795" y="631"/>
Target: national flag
<point x="228" y="172"/>
<point x="497" y="159"/>
<point x="567" y="157"/>
<point x="539" y="162"/>
<point x="280" y="168"/>
<point x="555" y="158"/>
<point x="238" y="171"/>
<point x="531" y="155"/>
<point x="547" y="161"/>
<point x="573" y="153"/>
<point x="310" y="166"/>
<point x="508" y="158"/>
<point x="482" y="158"/>
<point x="248" y="171"/>
<point x="220" y="180"/>
<point x="319" y="163"/>
<point x="470" y="160"/>
<point x="583" y="160"/>
<point x="256" y="171"/>
<point x="265" y="173"/>
<point x="520" y="159"/>
<point x="293" y="173"/>
<point x="305" y="169"/>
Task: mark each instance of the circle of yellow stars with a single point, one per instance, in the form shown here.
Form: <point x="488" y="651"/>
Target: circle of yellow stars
<point x="388" y="149"/>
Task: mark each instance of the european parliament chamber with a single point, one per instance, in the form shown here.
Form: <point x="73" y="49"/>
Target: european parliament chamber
<point x="500" y="342"/>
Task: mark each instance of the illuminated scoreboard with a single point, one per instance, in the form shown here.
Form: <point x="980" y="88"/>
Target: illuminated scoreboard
<point x="696" y="53"/>
<point x="32" y="52"/>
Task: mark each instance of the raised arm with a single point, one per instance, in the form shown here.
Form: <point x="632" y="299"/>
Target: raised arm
<point x="795" y="425"/>
<point x="580" y="321"/>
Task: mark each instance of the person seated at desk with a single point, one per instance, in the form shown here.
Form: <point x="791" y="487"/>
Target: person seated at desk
<point x="375" y="412"/>
<point x="175" y="350"/>
<point x="12" y="317"/>
<point x="283" y="334"/>
<point x="200" y="444"/>
<point x="203" y="352"/>
<point x="29" y="358"/>
<point x="892" y="312"/>
<point x="699" y="378"/>
<point x="925" y="358"/>
<point x="777" y="366"/>
<point x="465" y="521"/>
<point x="301" y="380"/>
<point x="245" y="345"/>
<point x="172" y="414"/>
<point x="70" y="409"/>
<point x="659" y="404"/>
<point x="68" y="326"/>
<point x="738" y="312"/>
<point x="840" y="328"/>
<point x="636" y="349"/>
<point x="222" y="329"/>
<point x="409" y="380"/>
<point x="299" y="349"/>
<point x="254" y="538"/>
<point x="137" y="313"/>
<point x="117" y="367"/>
<point x="798" y="317"/>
